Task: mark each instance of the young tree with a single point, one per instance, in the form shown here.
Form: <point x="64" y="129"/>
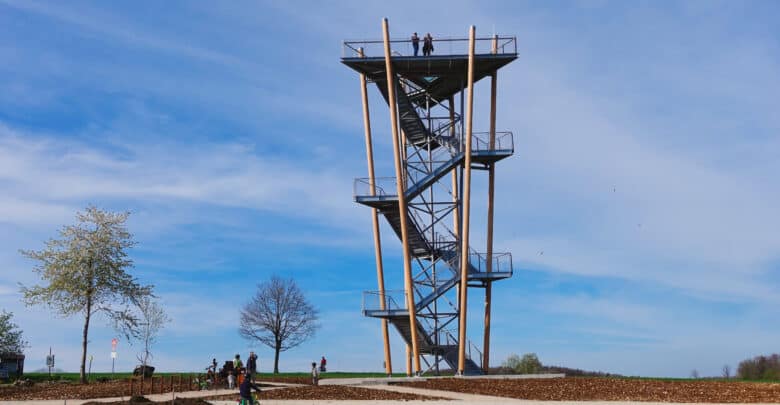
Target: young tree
<point x="278" y="316"/>
<point x="152" y="320"/>
<point x="10" y="335"/>
<point x="85" y="272"/>
<point x="726" y="371"/>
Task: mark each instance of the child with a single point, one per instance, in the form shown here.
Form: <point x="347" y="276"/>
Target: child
<point x="231" y="380"/>
<point x="315" y="374"/>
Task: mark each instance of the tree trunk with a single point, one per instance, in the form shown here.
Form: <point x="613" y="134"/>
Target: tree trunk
<point x="82" y="373"/>
<point x="277" y="348"/>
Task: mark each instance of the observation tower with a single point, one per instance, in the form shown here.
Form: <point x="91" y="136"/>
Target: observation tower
<point x="428" y="201"/>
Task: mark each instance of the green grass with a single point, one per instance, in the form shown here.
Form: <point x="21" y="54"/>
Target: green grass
<point x="122" y="375"/>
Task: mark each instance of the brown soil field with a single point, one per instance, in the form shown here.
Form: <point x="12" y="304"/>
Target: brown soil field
<point x="330" y="393"/>
<point x="610" y="389"/>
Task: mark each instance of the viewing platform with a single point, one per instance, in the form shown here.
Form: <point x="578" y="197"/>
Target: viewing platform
<point x="442" y="73"/>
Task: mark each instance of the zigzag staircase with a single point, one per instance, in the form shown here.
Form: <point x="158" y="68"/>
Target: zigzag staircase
<point x="422" y="242"/>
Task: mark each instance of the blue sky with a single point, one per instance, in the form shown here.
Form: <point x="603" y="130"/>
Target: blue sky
<point x="645" y="169"/>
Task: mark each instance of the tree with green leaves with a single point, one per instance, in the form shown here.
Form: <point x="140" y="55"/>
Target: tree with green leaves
<point x="85" y="272"/>
<point x="11" y="340"/>
<point x="278" y="316"/>
<point x="528" y="364"/>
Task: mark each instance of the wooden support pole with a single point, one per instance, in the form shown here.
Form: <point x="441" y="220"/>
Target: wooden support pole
<point x="464" y="255"/>
<point x="399" y="173"/>
<point x="380" y="276"/>
<point x="491" y="192"/>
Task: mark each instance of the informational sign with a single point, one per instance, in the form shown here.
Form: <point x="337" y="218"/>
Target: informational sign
<point x="113" y="355"/>
<point x="50" y="361"/>
<point x="113" y="344"/>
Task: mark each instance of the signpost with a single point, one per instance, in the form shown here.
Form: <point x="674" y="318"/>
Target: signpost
<point x="113" y="355"/>
<point x="50" y="362"/>
<point x="89" y="373"/>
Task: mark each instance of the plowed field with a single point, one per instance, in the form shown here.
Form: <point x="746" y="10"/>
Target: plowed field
<point x="609" y="389"/>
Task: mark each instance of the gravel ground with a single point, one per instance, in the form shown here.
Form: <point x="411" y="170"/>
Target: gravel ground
<point x="610" y="389"/>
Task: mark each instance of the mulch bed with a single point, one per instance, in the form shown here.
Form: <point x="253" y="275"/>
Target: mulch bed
<point x="609" y="389"/>
<point x="329" y="393"/>
<point x="145" y="401"/>
<point x="65" y="390"/>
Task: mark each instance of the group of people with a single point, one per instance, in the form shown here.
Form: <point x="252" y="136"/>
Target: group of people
<point x="427" y="44"/>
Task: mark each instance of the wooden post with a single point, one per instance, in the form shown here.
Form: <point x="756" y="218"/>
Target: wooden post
<point x="380" y="276"/>
<point x="491" y="192"/>
<point x="131" y="387"/>
<point x="464" y="259"/>
<point x="399" y="173"/>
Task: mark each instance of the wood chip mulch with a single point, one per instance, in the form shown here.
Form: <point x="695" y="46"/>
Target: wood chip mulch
<point x="609" y="389"/>
<point x="329" y="393"/>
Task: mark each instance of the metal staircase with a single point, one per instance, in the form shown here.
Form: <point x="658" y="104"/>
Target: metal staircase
<point x="433" y="153"/>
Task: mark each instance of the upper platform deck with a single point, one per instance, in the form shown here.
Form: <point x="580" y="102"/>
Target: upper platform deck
<point x="449" y="58"/>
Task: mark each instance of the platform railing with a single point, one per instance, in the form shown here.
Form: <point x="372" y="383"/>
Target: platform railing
<point x="393" y="300"/>
<point x="502" y="262"/>
<point x="480" y="141"/>
<point x="380" y="187"/>
<point x="441" y="47"/>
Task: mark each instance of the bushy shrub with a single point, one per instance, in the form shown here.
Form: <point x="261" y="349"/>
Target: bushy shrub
<point x="528" y="364"/>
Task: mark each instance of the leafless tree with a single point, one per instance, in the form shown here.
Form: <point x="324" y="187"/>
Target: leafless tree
<point x="278" y="316"/>
<point x="152" y="319"/>
<point x="726" y="371"/>
<point x="695" y="374"/>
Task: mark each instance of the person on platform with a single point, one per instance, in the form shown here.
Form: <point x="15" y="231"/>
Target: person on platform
<point x="427" y="44"/>
<point x="245" y="390"/>
<point x="415" y="43"/>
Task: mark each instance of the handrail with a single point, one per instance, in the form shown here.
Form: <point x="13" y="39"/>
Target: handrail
<point x="506" y="45"/>
<point x="389" y="298"/>
<point x="385" y="186"/>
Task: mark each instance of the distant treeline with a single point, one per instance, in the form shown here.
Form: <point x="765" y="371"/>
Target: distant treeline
<point x="575" y="372"/>
<point x="760" y="368"/>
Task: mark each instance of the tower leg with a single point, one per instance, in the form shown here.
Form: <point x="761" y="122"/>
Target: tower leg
<point x="375" y="220"/>
<point x="464" y="257"/>
<point x="491" y="193"/>
<point x="400" y="187"/>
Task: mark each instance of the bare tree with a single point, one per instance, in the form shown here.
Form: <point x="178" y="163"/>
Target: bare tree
<point x="85" y="272"/>
<point x="152" y="320"/>
<point x="278" y="316"/>
<point x="726" y="370"/>
<point x="695" y="374"/>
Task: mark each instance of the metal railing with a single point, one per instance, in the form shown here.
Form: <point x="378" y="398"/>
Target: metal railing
<point x="506" y="45"/>
<point x="381" y="187"/>
<point x="480" y="141"/>
<point x="392" y="300"/>
<point x="501" y="262"/>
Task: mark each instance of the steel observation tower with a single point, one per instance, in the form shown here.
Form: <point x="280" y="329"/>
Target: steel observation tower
<point x="428" y="202"/>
